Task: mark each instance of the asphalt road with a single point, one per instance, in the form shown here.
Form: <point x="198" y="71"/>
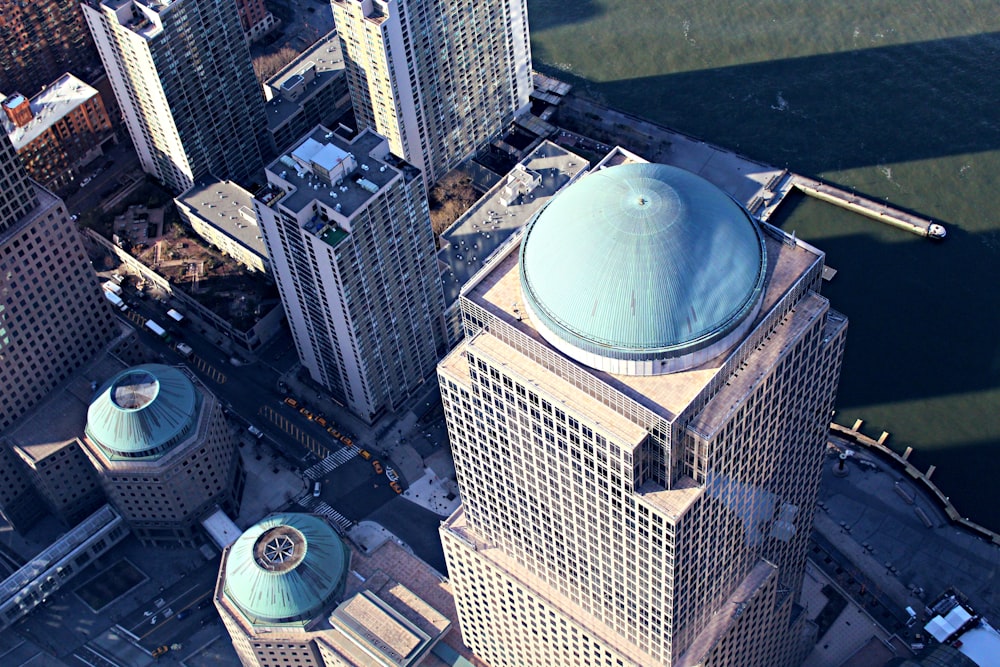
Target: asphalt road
<point x="252" y="397"/>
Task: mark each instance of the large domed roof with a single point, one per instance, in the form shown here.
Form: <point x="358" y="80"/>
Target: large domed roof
<point x="642" y="269"/>
<point x="143" y="411"/>
<point x="286" y="569"/>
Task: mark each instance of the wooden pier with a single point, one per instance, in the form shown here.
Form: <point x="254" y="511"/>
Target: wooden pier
<point x="851" y="201"/>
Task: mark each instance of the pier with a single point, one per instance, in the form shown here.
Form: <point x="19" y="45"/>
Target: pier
<point x="854" y="436"/>
<point x="851" y="201"/>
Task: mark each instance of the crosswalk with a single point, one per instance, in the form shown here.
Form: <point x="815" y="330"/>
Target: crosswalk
<point x="321" y="507"/>
<point x="337" y="459"/>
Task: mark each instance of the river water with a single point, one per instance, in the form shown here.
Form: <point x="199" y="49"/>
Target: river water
<point x="895" y="99"/>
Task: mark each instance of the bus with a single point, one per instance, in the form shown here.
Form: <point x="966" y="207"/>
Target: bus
<point x="156" y="328"/>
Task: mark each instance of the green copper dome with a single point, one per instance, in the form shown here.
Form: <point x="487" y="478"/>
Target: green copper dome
<point x="143" y="412"/>
<point x="642" y="269"/>
<point x="286" y="569"/>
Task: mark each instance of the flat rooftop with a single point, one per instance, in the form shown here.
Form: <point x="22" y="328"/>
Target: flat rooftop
<point x="328" y="60"/>
<point x="49" y="106"/>
<point x="62" y="416"/>
<point x="468" y="243"/>
<point x="227" y="207"/>
<point x="499" y="292"/>
<point x="295" y="187"/>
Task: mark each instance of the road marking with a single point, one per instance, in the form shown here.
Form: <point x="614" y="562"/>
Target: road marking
<point x="335" y="460"/>
<point x="294" y="431"/>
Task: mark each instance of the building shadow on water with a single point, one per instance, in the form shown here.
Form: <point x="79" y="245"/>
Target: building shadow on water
<point x="546" y="14"/>
<point x="907" y="102"/>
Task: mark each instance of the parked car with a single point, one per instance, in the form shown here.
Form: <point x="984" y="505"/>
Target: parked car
<point x="255" y="432"/>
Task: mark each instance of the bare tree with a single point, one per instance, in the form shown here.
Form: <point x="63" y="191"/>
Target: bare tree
<point x="267" y="65"/>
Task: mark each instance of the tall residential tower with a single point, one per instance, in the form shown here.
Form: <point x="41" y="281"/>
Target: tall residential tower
<point x="182" y="74"/>
<point x="351" y="248"/>
<point x="638" y="417"/>
<point x="438" y="79"/>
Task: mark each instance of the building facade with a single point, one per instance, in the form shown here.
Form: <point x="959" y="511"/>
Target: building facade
<point x="39" y="41"/>
<point x="182" y="75"/>
<point x="349" y="237"/>
<point x="437" y="79"/>
<point x="59" y="130"/>
<point x="164" y="453"/>
<point x="638" y="418"/>
<point x="48" y="293"/>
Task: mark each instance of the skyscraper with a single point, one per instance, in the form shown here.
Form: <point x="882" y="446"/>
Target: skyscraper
<point x="182" y="74"/>
<point x="438" y="79"/>
<point x="349" y="238"/>
<point x="638" y="417"/>
<point x="53" y="315"/>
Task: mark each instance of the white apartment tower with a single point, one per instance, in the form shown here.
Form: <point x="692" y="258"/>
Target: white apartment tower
<point x="349" y="238"/>
<point x="438" y="78"/>
<point x="182" y="75"/>
<point x="638" y="417"/>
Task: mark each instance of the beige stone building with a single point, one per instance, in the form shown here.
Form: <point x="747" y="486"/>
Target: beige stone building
<point x="437" y="79"/>
<point x="287" y="600"/>
<point x="163" y="452"/>
<point x="638" y="417"/>
<point x="53" y="315"/>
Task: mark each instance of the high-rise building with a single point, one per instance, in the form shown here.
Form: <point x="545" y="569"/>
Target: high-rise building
<point x="182" y="75"/>
<point x="438" y="79"/>
<point x="349" y="238"/>
<point x="40" y="40"/>
<point x="638" y="417"/>
<point x="53" y="315"/>
<point x="164" y="453"/>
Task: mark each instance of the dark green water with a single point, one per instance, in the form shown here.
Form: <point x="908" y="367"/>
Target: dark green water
<point x="896" y="99"/>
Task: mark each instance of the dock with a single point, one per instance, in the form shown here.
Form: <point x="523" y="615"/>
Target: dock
<point x="881" y="211"/>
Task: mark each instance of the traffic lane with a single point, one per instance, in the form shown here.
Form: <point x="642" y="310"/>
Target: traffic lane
<point x="414" y="525"/>
<point x="155" y="621"/>
<point x="355" y="490"/>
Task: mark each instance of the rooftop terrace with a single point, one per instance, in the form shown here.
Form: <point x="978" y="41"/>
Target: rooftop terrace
<point x="342" y="176"/>
<point x="313" y="69"/>
<point x="507" y="207"/>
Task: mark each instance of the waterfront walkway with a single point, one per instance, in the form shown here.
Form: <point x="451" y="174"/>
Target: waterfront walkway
<point x="760" y="187"/>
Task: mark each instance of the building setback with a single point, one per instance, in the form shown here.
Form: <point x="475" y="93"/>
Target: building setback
<point x="349" y="238"/>
<point x="53" y="314"/>
<point x="437" y="79"/>
<point x="309" y="91"/>
<point x="59" y="130"/>
<point x="182" y="75"/>
<point x="164" y="453"/>
<point x="638" y="417"/>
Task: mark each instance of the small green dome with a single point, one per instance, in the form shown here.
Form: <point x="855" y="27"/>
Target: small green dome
<point x="143" y="412"/>
<point x="642" y="269"/>
<point x="286" y="569"/>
